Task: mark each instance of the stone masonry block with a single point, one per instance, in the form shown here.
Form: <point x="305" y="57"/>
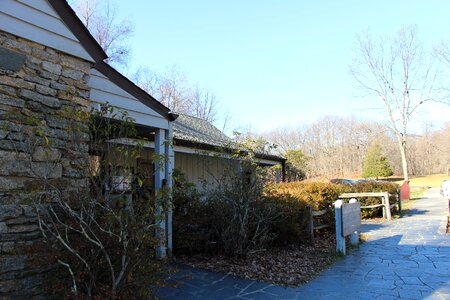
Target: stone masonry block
<point x="10" y="211"/>
<point x="74" y="74"/>
<point x="45" y="90"/>
<point x="51" y="67"/>
<point x="10" y="126"/>
<point x="17" y="82"/>
<point x="47" y="75"/>
<point x="46" y="154"/>
<point x="7" y="90"/>
<point x="23" y="228"/>
<point x="75" y="64"/>
<point x="22" y="220"/>
<point x="15" y="45"/>
<point x="29" y="211"/>
<point x="3" y="227"/>
<point x="37" y="79"/>
<point x="12" y="263"/>
<point x="11" y="183"/>
<point x="15" y="168"/>
<point x="11" y="101"/>
<point x="78" y="84"/>
<point x="45" y="170"/>
<point x="47" y="101"/>
<point x="16" y="146"/>
<point x="45" y="55"/>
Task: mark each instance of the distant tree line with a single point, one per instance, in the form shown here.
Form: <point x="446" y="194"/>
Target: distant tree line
<point x="337" y="147"/>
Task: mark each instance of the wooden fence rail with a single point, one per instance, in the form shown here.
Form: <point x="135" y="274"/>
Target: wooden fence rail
<point x="311" y="223"/>
<point x="384" y="204"/>
<point x="384" y="201"/>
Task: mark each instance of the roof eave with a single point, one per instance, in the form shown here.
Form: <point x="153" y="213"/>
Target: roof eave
<point x="77" y="27"/>
<point x="126" y="84"/>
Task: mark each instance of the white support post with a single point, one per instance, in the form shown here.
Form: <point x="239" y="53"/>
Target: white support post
<point x="170" y="164"/>
<point x="387" y="206"/>
<point x="278" y="176"/>
<point x="160" y="176"/>
<point x="354" y="237"/>
<point x="340" y="239"/>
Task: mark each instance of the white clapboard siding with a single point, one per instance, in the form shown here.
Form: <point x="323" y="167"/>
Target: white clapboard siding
<point x="37" y="21"/>
<point x="42" y="6"/>
<point x="199" y="168"/>
<point x="103" y="90"/>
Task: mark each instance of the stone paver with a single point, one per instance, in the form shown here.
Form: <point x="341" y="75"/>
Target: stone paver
<point x="408" y="258"/>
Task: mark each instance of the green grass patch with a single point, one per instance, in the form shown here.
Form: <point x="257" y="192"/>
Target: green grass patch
<point x="417" y="193"/>
<point x="434" y="180"/>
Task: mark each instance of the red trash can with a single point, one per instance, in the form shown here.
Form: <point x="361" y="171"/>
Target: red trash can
<point x="405" y="191"/>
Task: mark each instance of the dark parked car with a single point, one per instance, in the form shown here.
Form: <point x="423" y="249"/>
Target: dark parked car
<point x="343" y="181"/>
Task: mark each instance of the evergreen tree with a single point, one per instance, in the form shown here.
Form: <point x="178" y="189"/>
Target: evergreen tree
<point x="296" y="165"/>
<point x="375" y="164"/>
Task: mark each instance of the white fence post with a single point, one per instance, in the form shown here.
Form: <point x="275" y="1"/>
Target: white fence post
<point x="387" y="206"/>
<point x="340" y="239"/>
<point x="354" y="237"/>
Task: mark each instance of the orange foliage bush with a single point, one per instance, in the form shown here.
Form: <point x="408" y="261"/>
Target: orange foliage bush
<point x="318" y="195"/>
<point x="321" y="195"/>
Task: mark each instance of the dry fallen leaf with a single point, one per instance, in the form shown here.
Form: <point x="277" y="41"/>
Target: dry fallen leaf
<point x="290" y="266"/>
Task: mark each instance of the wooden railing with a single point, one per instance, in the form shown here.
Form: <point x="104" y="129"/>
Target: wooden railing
<point x="384" y="202"/>
<point x="313" y="225"/>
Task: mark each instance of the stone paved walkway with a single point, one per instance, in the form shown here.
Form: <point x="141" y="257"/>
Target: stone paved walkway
<point x="408" y="258"/>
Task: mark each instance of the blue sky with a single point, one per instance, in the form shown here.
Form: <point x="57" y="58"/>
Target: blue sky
<point x="276" y="63"/>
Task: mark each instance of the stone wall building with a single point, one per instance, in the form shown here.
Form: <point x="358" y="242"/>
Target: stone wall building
<point x="50" y="65"/>
<point x="37" y="85"/>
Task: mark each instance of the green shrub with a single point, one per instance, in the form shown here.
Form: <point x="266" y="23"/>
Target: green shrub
<point x="191" y="218"/>
<point x="242" y="216"/>
<point x="291" y="225"/>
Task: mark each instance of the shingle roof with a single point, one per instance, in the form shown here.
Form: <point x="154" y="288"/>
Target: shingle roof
<point x="197" y="130"/>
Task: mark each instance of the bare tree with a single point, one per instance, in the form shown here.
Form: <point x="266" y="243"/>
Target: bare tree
<point x="287" y="138"/>
<point x="398" y="73"/>
<point x="429" y="153"/>
<point x="443" y="52"/>
<point x="203" y="104"/>
<point x="100" y="17"/>
<point x="170" y="88"/>
<point x="332" y="146"/>
<point x="173" y="90"/>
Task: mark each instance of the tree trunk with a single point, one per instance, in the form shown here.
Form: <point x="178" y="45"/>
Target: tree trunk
<point x="402" y="146"/>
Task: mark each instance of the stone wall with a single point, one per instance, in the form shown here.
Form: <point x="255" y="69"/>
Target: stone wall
<point x="38" y="88"/>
